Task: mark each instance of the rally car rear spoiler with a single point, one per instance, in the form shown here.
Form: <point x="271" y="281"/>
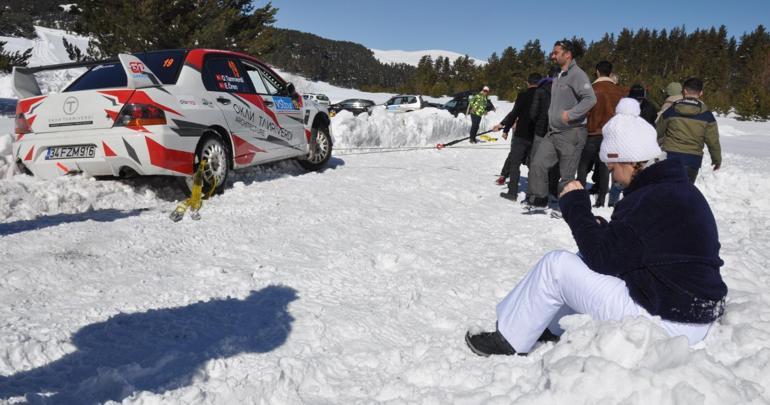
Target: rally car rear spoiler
<point x="137" y="73"/>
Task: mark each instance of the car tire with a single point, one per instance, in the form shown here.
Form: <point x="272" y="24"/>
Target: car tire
<point x="321" y="142"/>
<point x="214" y="151"/>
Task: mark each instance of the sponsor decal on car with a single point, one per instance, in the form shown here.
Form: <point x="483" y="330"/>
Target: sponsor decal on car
<point x="285" y="104"/>
<point x="136" y="67"/>
<point x="187" y="101"/>
<point x="225" y="82"/>
<point x="272" y="129"/>
<point x="245" y="117"/>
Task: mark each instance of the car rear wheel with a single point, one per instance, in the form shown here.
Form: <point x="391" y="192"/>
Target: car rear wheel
<point x="217" y="168"/>
<point x="320" y="150"/>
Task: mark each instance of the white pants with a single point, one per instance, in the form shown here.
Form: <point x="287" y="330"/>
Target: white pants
<point x="561" y="284"/>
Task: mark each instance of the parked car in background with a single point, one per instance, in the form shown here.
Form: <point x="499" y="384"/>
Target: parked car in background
<point x="162" y="113"/>
<point x="459" y="103"/>
<point x="318" y="98"/>
<point x="405" y="103"/>
<point x="354" y="105"/>
<point x="8" y="106"/>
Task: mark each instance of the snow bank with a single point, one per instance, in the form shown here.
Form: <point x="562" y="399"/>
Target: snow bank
<point x="382" y="128"/>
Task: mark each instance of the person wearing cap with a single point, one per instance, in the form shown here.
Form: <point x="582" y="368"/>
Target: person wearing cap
<point x="658" y="256"/>
<point x="477" y="107"/>
<point x="673" y="94"/>
<point x="571" y="98"/>
<point x="686" y="127"/>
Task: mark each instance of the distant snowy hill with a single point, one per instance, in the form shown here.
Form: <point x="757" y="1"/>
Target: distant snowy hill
<point x="47" y="49"/>
<point x="413" y="57"/>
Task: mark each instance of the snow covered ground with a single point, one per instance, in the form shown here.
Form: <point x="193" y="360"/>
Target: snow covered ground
<point x="353" y="285"/>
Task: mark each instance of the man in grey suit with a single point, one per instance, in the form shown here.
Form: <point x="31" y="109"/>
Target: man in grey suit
<point x="571" y="98"/>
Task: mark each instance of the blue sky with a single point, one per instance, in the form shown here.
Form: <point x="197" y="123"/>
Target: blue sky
<point x="480" y="27"/>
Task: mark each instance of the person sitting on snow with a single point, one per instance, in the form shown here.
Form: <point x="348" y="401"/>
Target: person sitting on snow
<point x="657" y="256"/>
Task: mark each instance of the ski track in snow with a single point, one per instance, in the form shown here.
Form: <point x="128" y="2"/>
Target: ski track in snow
<point x="353" y="285"/>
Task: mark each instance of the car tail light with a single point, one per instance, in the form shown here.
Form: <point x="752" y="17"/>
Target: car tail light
<point x="137" y="115"/>
<point x="22" y="126"/>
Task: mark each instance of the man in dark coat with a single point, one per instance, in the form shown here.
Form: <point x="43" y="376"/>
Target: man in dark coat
<point x="523" y="133"/>
<point x="538" y="113"/>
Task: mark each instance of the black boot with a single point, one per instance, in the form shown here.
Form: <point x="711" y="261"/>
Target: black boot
<point x="547" y="336"/>
<point x="599" y="201"/>
<point x="487" y="343"/>
<point x="509" y="195"/>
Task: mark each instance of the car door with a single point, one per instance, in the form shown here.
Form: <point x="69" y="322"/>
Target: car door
<point x="224" y="79"/>
<point x="283" y="122"/>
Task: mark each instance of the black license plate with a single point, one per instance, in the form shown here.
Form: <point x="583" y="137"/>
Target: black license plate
<point x="70" y="152"/>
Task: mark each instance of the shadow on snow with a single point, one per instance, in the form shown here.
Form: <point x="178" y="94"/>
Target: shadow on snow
<point x="157" y="350"/>
<point x="105" y="215"/>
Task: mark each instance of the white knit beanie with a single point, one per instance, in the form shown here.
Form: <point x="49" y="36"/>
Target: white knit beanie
<point x="627" y="136"/>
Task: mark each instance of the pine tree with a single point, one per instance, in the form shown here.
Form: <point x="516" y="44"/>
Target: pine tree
<point x="10" y="59"/>
<point x="160" y="24"/>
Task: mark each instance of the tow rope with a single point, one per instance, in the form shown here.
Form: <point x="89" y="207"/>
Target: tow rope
<point x="482" y="135"/>
<point x="195" y="202"/>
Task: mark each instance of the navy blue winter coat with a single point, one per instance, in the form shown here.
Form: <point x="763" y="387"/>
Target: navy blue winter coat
<point x="661" y="240"/>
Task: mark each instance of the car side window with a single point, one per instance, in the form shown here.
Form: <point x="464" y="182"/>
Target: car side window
<point x="412" y="100"/>
<point x="225" y="74"/>
<point x="256" y="79"/>
<point x="269" y="83"/>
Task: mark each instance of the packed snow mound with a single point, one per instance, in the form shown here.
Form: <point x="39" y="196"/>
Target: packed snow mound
<point x="382" y="128"/>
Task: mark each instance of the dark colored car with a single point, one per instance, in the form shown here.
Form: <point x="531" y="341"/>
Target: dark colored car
<point x="8" y="106"/>
<point x="354" y="105"/>
<point x="459" y="103"/>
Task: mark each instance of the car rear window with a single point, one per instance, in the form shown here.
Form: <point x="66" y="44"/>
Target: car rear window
<point x="165" y="65"/>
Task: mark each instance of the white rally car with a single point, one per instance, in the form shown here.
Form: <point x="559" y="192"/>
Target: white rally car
<point x="160" y="113"/>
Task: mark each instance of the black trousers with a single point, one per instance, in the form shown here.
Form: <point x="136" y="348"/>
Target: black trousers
<point x="588" y="159"/>
<point x="475" y="121"/>
<point x="520" y="149"/>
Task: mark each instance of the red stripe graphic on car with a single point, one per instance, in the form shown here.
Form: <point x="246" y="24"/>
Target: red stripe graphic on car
<point x="62" y="167"/>
<point x="244" y="151"/>
<point x="112" y="114"/>
<point x="26" y="104"/>
<point x="140" y="97"/>
<point x="108" y="151"/>
<point x="308" y="134"/>
<point x="29" y="154"/>
<point x="171" y="159"/>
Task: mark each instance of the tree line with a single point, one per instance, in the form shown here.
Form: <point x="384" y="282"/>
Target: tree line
<point x="736" y="72"/>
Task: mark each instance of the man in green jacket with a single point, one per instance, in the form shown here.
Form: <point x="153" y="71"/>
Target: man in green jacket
<point x="477" y="106"/>
<point x="684" y="128"/>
